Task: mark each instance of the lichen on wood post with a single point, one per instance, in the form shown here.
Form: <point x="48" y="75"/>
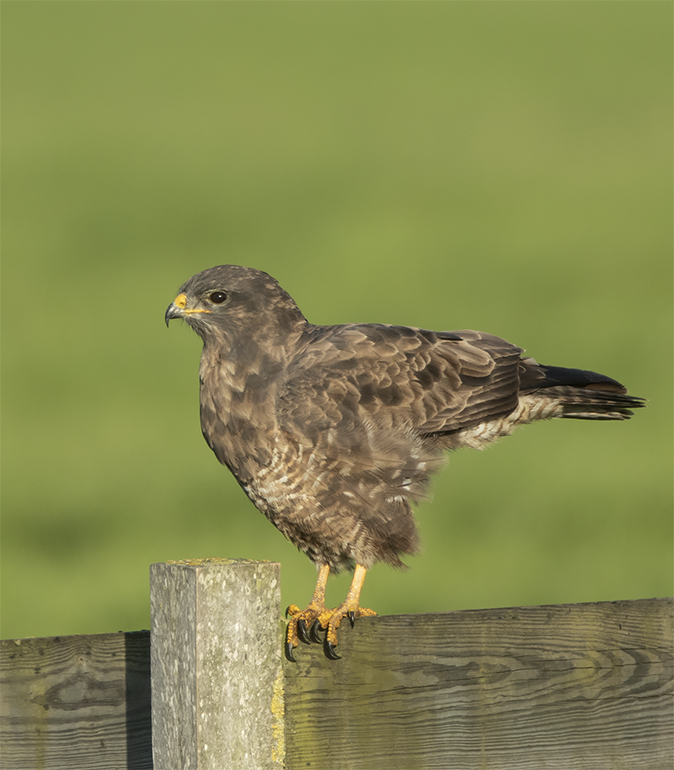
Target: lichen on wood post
<point x="217" y="697"/>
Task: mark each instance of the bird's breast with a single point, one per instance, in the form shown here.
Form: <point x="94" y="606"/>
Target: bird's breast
<point x="238" y="419"/>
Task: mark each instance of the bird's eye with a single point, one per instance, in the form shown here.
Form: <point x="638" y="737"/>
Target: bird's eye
<point x="217" y="297"/>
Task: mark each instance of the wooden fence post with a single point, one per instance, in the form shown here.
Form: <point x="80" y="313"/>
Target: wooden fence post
<point x="217" y="676"/>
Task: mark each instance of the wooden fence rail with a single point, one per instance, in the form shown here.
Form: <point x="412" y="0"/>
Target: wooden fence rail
<point x="563" y="687"/>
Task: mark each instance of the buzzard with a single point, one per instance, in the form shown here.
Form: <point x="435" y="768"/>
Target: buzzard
<point x="334" y="431"/>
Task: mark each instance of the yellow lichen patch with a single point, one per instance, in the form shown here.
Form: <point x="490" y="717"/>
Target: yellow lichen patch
<point x="278" y="751"/>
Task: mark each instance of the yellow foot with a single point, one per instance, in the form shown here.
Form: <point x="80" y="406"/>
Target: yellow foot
<point x="302" y="626"/>
<point x="297" y="626"/>
<point x="331" y="619"/>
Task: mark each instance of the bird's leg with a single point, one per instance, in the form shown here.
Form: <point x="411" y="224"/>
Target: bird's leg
<point x="350" y="608"/>
<point x="297" y="625"/>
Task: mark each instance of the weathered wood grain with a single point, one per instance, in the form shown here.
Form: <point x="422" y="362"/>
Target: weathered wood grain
<point x="217" y="675"/>
<point x="572" y="687"/>
<point x="76" y="702"/>
<point x="562" y="688"/>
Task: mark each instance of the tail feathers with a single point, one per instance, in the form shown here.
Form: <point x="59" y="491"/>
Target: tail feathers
<point x="580" y="394"/>
<point x="591" y="404"/>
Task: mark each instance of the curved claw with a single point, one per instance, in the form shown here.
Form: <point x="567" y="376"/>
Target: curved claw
<point x="313" y="632"/>
<point x="289" y="652"/>
<point x="287" y="611"/>
<point x="352" y="618"/>
<point x="302" y="631"/>
<point x="329" y="649"/>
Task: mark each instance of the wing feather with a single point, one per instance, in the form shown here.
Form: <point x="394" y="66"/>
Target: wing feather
<point x="428" y="383"/>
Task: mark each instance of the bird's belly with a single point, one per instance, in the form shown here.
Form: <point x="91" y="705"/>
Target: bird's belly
<point x="298" y="515"/>
<point x="335" y="518"/>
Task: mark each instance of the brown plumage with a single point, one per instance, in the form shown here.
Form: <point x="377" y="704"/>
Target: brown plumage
<point x="333" y="431"/>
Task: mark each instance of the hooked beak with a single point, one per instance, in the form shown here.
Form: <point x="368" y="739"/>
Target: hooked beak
<point x="178" y="309"/>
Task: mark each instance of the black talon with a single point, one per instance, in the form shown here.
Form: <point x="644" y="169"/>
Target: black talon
<point x="313" y="632"/>
<point x="329" y="649"/>
<point x="287" y="610"/>
<point x="289" y="652"/>
<point x="352" y="618"/>
<point x="302" y="631"/>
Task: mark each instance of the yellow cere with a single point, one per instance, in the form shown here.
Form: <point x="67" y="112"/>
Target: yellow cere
<point x="181" y="302"/>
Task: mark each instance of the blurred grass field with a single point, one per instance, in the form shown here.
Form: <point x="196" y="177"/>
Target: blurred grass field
<point x="498" y="166"/>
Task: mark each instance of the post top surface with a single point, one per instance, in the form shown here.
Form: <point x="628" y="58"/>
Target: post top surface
<point x="214" y="561"/>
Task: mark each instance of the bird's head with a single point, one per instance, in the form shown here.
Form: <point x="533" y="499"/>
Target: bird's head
<point x="235" y="303"/>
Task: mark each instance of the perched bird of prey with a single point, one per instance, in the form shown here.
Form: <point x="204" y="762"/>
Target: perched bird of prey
<point x="334" y="431"/>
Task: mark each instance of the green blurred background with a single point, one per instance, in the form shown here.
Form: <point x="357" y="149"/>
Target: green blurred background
<point x="498" y="166"/>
